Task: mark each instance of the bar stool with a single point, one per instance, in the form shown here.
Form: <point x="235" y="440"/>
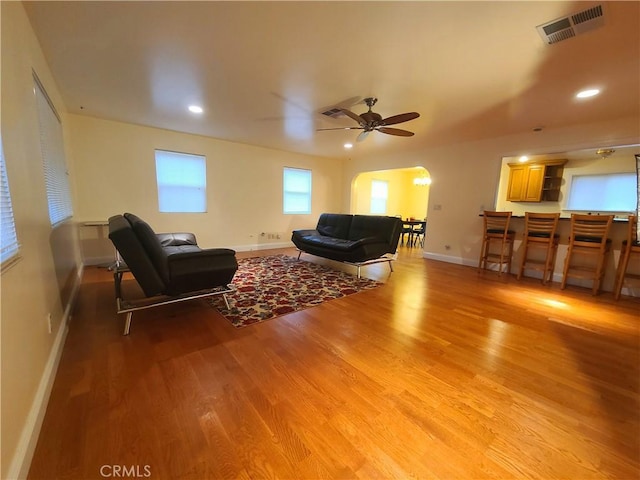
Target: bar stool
<point x="630" y="246"/>
<point x="540" y="233"/>
<point x="589" y="237"/>
<point x="496" y="229"/>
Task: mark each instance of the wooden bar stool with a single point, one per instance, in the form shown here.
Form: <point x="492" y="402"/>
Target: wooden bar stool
<point x="589" y="237"/>
<point x="496" y="230"/>
<point x="630" y="246"/>
<point x="540" y="233"/>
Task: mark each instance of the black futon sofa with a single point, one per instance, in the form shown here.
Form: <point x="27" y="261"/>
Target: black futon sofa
<point x="167" y="265"/>
<point x="354" y="239"/>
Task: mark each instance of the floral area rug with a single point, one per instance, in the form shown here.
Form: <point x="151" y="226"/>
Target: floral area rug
<point x="267" y="287"/>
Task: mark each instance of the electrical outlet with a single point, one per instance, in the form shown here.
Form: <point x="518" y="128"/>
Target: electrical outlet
<point x="437" y="206"/>
<point x="49" y="326"/>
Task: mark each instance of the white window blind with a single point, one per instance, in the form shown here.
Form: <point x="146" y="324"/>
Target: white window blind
<point x="56" y="176"/>
<point x="638" y="193"/>
<point x="296" y="191"/>
<point x="379" y="194"/>
<point x="612" y="192"/>
<point x="8" y="238"/>
<point x="182" y="182"/>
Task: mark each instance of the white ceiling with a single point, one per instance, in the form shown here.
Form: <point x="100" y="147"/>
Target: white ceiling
<point x="263" y="71"/>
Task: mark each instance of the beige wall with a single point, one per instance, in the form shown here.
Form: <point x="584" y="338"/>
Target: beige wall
<point x="116" y="174"/>
<point x="41" y="281"/>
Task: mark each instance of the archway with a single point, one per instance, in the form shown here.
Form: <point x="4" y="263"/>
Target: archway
<point x="406" y="195"/>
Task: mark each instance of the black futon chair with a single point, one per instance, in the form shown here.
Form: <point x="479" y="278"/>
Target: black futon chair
<point x="170" y="267"/>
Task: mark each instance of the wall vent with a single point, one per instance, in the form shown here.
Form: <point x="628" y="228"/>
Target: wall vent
<point x="566" y="27"/>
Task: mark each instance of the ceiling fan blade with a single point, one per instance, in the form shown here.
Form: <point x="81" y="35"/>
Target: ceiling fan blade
<point x="352" y="115"/>
<point x="395" y="131"/>
<point x="339" y="128"/>
<point x="403" y="117"/>
<point x="362" y="136"/>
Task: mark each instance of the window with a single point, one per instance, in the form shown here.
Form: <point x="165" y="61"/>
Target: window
<point x="296" y="191"/>
<point x="53" y="159"/>
<point x="182" y="182"/>
<point x="8" y="238"/>
<point x="612" y="192"/>
<point x="379" y="194"/>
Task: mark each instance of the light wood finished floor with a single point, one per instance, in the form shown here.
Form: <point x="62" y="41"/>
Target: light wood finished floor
<point x="440" y="373"/>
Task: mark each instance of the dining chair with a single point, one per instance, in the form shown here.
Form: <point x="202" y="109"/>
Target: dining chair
<point x="588" y="239"/>
<point x="540" y="234"/>
<point x="407" y="231"/>
<point x="418" y="234"/>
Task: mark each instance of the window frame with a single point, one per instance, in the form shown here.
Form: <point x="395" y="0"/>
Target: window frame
<point x="165" y="197"/>
<point x="305" y="193"/>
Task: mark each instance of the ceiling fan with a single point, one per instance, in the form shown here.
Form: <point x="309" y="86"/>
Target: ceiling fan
<point x="370" y="121"/>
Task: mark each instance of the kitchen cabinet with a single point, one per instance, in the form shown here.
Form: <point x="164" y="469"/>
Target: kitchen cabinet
<point x="535" y="182"/>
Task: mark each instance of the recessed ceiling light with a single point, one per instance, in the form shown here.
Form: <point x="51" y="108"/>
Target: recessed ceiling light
<point x="348" y="145"/>
<point x="523" y="158"/>
<point x="195" y="109"/>
<point x="592" y="92"/>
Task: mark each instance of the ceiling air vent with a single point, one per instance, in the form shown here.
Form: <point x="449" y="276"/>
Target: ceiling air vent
<point x="333" y="113"/>
<point x="571" y="25"/>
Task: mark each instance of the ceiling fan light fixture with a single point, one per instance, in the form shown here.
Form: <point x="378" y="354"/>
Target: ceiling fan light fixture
<point x="605" y="152"/>
<point x="348" y="145"/>
<point x="371" y="121"/>
<point x="422" y="181"/>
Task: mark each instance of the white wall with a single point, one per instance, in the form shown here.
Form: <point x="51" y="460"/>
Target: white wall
<point x="116" y="174"/>
<point x="43" y="280"/>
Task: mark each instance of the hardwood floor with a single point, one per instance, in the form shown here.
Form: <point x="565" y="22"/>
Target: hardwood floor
<point x="440" y="373"/>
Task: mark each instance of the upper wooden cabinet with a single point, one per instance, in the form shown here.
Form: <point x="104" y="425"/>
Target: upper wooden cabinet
<point x="535" y="182"/>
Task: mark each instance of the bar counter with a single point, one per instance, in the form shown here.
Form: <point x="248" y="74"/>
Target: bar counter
<point x="617" y="234"/>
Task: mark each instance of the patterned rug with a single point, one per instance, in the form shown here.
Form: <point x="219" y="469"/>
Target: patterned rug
<point x="267" y="287"/>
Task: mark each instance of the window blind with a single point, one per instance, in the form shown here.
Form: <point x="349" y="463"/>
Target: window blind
<point x="8" y="237"/>
<point x="638" y="193"/>
<point x="296" y="191"/>
<point x="609" y="192"/>
<point x="53" y="158"/>
<point x="379" y="195"/>
<point x="182" y="182"/>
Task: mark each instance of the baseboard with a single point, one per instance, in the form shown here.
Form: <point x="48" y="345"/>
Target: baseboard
<point x="98" y="261"/>
<point x="449" y="259"/>
<point x="262" y="246"/>
<point x="23" y="455"/>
